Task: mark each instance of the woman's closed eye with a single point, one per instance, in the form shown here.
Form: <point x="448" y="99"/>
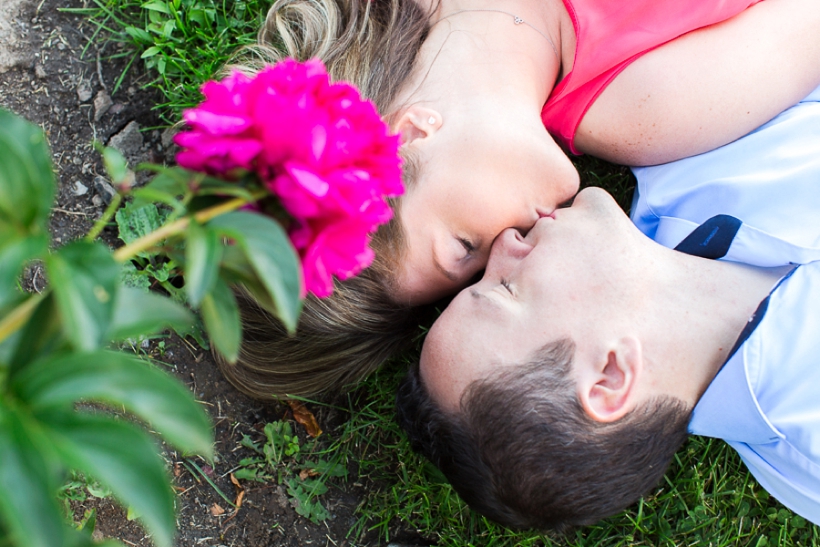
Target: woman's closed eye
<point x="468" y="245"/>
<point x="506" y="284"/>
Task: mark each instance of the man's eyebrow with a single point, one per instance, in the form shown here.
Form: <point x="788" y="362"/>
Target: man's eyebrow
<point x="447" y="273"/>
<point x="479" y="295"/>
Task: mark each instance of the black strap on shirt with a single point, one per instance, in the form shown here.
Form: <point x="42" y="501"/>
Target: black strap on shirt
<point x="712" y="239"/>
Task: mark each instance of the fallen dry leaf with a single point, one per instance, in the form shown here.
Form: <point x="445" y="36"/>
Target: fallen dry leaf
<point x="306" y="473"/>
<point x="305" y="417"/>
<point x="216" y="510"/>
<point x="240" y="492"/>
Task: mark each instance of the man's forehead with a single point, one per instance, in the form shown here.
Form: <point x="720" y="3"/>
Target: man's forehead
<point x="442" y="363"/>
<point x="460" y="347"/>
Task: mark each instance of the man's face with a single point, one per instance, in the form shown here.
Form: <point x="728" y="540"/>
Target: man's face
<point x="561" y="280"/>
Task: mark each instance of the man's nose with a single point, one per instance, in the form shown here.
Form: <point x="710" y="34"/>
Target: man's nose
<point x="510" y="244"/>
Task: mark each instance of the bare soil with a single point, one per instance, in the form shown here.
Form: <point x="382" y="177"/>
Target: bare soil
<point x="47" y="77"/>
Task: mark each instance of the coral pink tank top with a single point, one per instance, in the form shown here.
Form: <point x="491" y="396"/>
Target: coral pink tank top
<point x="611" y="34"/>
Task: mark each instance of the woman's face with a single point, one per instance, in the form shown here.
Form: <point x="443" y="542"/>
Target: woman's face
<point x="471" y="187"/>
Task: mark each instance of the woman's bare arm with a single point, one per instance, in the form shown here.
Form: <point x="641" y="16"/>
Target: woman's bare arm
<point x="708" y="87"/>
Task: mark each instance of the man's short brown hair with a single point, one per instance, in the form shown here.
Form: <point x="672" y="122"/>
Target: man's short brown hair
<point x="522" y="451"/>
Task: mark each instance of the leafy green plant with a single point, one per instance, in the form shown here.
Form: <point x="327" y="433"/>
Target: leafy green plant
<point x="282" y="458"/>
<point x="53" y="356"/>
<point x="146" y="270"/>
<point x="55" y="351"/>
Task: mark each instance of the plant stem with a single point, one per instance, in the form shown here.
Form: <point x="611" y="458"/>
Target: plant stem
<point x="12" y="322"/>
<point x="105" y="218"/>
<point x="18" y="316"/>
<point x="129" y="251"/>
<point x="208" y="480"/>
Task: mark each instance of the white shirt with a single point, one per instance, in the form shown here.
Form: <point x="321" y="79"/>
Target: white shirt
<point x="765" y="401"/>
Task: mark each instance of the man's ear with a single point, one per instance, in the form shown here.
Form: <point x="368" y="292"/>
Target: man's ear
<point x="417" y="122"/>
<point x="608" y="390"/>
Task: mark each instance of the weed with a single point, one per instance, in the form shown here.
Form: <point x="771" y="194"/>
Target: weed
<point x="77" y="489"/>
<point x="146" y="270"/>
<point x="282" y="458"/>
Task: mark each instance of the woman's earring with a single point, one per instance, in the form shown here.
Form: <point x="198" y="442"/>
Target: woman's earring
<point x="432" y="120"/>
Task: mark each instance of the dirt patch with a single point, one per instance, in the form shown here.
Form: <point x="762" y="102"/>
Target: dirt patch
<point x="46" y="78"/>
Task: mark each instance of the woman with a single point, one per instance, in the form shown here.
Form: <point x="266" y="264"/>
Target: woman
<point x="638" y="82"/>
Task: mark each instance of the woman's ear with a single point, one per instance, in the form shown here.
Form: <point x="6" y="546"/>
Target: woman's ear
<point x="417" y="122"/>
<point x="608" y="391"/>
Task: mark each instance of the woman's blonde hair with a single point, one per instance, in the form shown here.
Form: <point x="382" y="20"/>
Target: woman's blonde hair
<point x="372" y="44"/>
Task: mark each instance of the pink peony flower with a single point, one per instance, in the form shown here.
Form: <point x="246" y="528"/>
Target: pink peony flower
<point x="321" y="149"/>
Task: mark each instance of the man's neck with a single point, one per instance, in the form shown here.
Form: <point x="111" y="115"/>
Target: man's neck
<point x="701" y="306"/>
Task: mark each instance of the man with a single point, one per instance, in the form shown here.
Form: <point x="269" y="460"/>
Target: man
<point x="556" y="390"/>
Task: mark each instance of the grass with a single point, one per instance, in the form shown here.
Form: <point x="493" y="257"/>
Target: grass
<point x="182" y="43"/>
<point x="707" y="497"/>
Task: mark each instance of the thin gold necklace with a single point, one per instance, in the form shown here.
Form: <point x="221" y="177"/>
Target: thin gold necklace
<point x="516" y="20"/>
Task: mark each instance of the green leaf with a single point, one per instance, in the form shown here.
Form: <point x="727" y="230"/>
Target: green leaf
<point x="157" y="5"/>
<point x="40" y="336"/>
<point x="272" y="257"/>
<point x="304" y="493"/>
<point x="237" y="270"/>
<point x="136" y="222"/>
<point x="14" y="254"/>
<point x="168" y="30"/>
<point x="27" y="507"/>
<point x="174" y="181"/>
<point x="221" y="316"/>
<point x="116" y="166"/>
<point x="84" y="278"/>
<point x="130" y="276"/>
<point x="197" y="332"/>
<point x="137" y="313"/>
<point x="150" y="52"/>
<point x="122" y="381"/>
<point x="26" y="177"/>
<point x="162" y="273"/>
<point x="138" y="34"/>
<point x="202" y="254"/>
<point x="146" y="195"/>
<point x="122" y="457"/>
